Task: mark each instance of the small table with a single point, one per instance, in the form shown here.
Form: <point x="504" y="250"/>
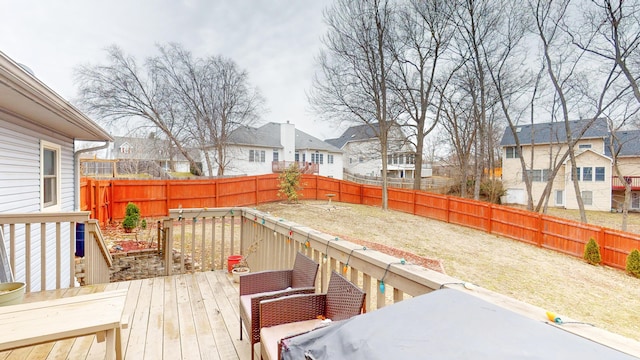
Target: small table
<point x="330" y="196"/>
<point x="57" y="319"/>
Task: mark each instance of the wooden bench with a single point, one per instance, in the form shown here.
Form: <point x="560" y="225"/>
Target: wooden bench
<point x="51" y="320"/>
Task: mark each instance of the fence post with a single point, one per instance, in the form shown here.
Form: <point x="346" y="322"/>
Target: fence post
<point x="167" y="203"/>
<point x="447" y="208"/>
<point x="539" y="226"/>
<point x="257" y="191"/>
<point x="601" y="244"/>
<point x="489" y="219"/>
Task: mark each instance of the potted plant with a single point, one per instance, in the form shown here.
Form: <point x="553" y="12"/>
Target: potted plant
<point x="242" y="267"/>
<point x="239" y="269"/>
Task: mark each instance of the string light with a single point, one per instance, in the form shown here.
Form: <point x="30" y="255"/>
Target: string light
<point x="467" y="285"/>
<point x="346" y="265"/>
<point x="382" y="287"/>
<point x="326" y="250"/>
<point x="307" y="244"/>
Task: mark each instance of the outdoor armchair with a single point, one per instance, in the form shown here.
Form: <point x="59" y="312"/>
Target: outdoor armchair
<point x="271" y="284"/>
<point x="296" y="314"/>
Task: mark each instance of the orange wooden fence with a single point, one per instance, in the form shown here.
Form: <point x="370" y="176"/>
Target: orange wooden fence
<point x="107" y="199"/>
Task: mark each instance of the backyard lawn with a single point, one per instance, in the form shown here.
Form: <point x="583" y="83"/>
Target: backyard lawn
<point x="598" y="295"/>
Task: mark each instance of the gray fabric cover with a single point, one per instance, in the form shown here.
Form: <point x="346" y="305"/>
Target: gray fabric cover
<point x="444" y="324"/>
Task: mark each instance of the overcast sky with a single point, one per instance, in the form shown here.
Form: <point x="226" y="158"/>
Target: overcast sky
<point x="276" y="41"/>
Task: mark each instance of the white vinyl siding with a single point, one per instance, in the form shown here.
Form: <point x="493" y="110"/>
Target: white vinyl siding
<point x="20" y="185"/>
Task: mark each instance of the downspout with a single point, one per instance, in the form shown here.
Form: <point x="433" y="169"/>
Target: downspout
<point x="76" y="173"/>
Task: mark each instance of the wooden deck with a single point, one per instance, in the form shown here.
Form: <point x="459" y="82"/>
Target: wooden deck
<point x="192" y="316"/>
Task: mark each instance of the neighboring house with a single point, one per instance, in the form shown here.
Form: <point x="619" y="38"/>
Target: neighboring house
<point x="547" y="142"/>
<point x="272" y="147"/>
<point x="149" y="155"/>
<point x="361" y="149"/>
<point x="39" y="131"/>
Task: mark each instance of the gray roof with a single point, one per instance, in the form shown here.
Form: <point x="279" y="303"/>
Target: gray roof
<point x="627" y="141"/>
<point x="268" y="135"/>
<point x="545" y="133"/>
<point x="247" y="135"/>
<point x="355" y="133"/>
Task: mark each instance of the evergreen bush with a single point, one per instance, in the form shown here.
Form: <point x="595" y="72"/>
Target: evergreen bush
<point x="132" y="217"/>
<point x="633" y="263"/>
<point x="592" y="252"/>
<point x="289" y="183"/>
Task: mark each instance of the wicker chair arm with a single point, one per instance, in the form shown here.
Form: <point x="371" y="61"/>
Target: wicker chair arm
<point x="255" y="300"/>
<point x="291" y="309"/>
<point x="265" y="281"/>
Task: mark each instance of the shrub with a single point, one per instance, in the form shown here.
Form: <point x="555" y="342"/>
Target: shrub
<point x="592" y="252"/>
<point x="633" y="263"/>
<point x="492" y="189"/>
<point x="289" y="183"/>
<point x="132" y="216"/>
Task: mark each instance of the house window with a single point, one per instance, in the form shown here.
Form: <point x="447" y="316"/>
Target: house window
<point x="587" y="174"/>
<point x="297" y="156"/>
<point x="587" y="197"/>
<point x="321" y="161"/>
<point x="275" y="155"/>
<point x="411" y="159"/>
<point x="512" y="152"/>
<point x="635" y="200"/>
<point x="389" y="159"/>
<point x="329" y="159"/>
<point x="538" y="175"/>
<point x="584" y="146"/>
<point x="401" y="159"/>
<point x="599" y="173"/>
<point x="50" y="175"/>
<point x="256" y="155"/>
<point x="304" y="157"/>
<point x="575" y="174"/>
<point x="559" y="197"/>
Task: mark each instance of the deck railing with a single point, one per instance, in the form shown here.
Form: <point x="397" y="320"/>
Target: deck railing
<point x="634" y="181"/>
<point x="47" y="259"/>
<point x="206" y="237"/>
<point x="270" y="243"/>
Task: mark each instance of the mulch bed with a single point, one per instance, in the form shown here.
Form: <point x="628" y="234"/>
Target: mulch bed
<point x="428" y="263"/>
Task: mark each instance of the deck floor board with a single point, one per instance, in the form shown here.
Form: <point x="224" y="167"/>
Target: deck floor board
<point x="191" y="316"/>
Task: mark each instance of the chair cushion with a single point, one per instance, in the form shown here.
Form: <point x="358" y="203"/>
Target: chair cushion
<point x="270" y="336"/>
<point x="245" y="300"/>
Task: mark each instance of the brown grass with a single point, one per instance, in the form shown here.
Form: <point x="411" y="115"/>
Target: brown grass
<point x="605" y="297"/>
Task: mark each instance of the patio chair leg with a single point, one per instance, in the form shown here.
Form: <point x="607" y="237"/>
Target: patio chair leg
<point x="240" y="328"/>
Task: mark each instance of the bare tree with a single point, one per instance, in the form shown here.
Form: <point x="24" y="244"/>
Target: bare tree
<point x="611" y="31"/>
<point x="119" y="91"/>
<point x="458" y="122"/>
<point x="477" y="24"/>
<point x="194" y="102"/>
<point x="353" y="81"/>
<point x="424" y="32"/>
<point x="214" y="93"/>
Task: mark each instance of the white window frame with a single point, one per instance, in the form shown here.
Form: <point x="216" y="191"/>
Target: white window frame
<point x="587" y="197"/>
<point x="559" y="197"/>
<point x="56" y="205"/>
